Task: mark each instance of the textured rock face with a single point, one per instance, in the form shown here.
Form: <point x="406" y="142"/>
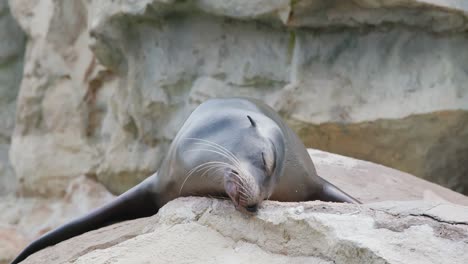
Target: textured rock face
<point x="357" y="177"/>
<point x="57" y="105"/>
<point x="25" y="219"/>
<point x="378" y="80"/>
<point x="211" y="231"/>
<point x="11" y="68"/>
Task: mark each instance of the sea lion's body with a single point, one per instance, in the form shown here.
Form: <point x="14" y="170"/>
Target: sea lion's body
<point x="235" y="147"/>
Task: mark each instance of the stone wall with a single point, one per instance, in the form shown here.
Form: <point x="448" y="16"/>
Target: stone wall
<point x="107" y="84"/>
<point x="12" y="42"/>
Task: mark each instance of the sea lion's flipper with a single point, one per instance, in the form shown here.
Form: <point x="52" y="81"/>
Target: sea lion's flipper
<point x="331" y="193"/>
<point x="135" y="203"/>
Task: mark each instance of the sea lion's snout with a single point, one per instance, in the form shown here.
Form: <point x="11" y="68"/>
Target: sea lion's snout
<point x="242" y="191"/>
<point x="232" y="189"/>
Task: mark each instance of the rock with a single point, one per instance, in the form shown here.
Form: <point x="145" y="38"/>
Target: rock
<point x="11" y="242"/>
<point x="205" y="230"/>
<point x="24" y="219"/>
<point x="358" y="178"/>
<point x="382" y="81"/>
<point x="58" y="106"/>
<point x="12" y="42"/>
<point x="353" y="176"/>
<point x="8" y="183"/>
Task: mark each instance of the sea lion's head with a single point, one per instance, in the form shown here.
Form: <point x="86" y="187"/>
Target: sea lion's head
<point x="247" y="154"/>
<point x="257" y="150"/>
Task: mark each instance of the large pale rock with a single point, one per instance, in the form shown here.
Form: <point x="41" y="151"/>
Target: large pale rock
<point x="358" y="178"/>
<point x="24" y="219"/>
<point x="378" y="80"/>
<point x="62" y="98"/>
<point x="8" y="182"/>
<point x="11" y="69"/>
<point x="203" y="230"/>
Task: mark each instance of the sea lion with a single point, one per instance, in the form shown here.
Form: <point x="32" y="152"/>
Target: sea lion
<point x="233" y="147"/>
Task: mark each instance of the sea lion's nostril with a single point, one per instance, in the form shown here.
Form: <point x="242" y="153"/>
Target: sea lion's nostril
<point x="252" y="208"/>
<point x="235" y="172"/>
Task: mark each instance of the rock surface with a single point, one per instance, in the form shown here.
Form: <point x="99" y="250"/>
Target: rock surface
<point x="203" y="230"/>
<point x="25" y="219"/>
<point x="378" y="80"/>
<point x="12" y="45"/>
<point x="50" y="145"/>
<point x="358" y="178"/>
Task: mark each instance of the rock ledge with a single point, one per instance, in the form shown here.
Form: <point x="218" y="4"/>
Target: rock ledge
<point x="207" y="230"/>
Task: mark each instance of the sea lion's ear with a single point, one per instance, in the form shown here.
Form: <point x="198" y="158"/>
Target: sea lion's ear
<point x="251" y="121"/>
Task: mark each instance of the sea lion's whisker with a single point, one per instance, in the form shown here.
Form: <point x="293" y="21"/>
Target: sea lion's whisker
<point x="244" y="180"/>
<point x="229" y="154"/>
<point x="219" y="197"/>
<point x="199" y="167"/>
<point x="213" y="151"/>
<point x="216" y="152"/>
<point x="190" y="173"/>
<point x="242" y="192"/>
<point x="211" y="167"/>
<point x="218" y="146"/>
<point x="220" y="165"/>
